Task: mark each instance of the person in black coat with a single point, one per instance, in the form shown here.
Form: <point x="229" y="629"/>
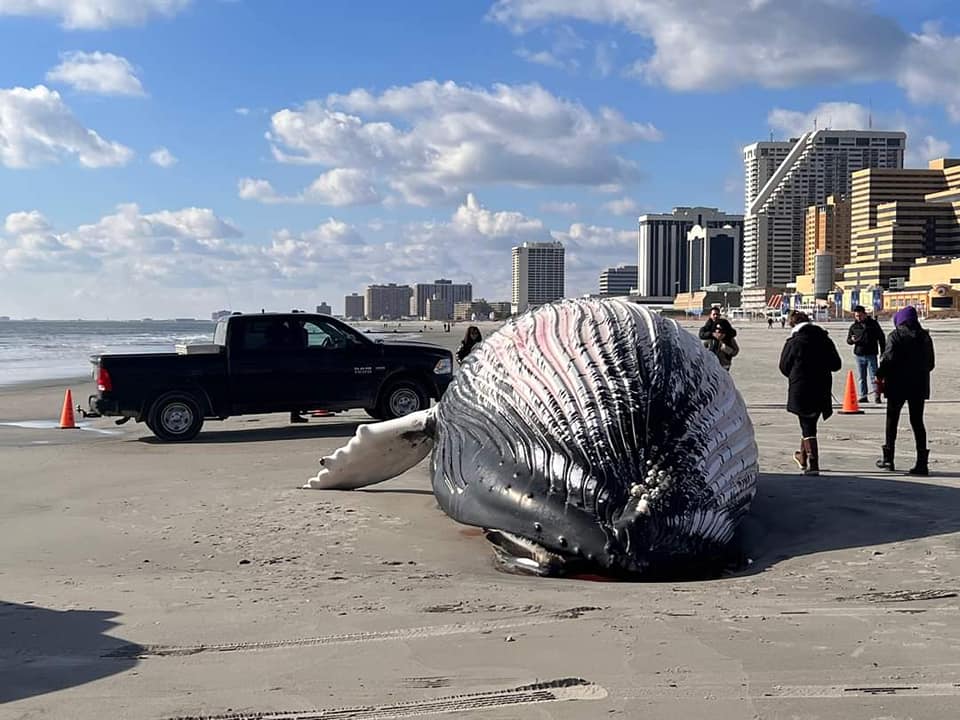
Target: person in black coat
<point x="809" y="359"/>
<point x="710" y="326"/>
<point x="904" y="377"/>
<point x="470" y="339"/>
<point x="868" y="343"/>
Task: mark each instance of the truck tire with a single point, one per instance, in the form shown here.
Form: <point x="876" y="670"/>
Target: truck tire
<point x="373" y="412"/>
<point x="175" y="417"/>
<point x="400" y="398"/>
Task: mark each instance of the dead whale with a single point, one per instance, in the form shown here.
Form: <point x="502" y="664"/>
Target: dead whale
<point x="588" y="434"/>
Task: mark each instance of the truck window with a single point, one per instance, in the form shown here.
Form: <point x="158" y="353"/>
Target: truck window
<point x="220" y="333"/>
<point x="325" y="335"/>
<point x="272" y="333"/>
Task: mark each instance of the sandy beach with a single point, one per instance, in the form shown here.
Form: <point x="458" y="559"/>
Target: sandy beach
<point x="146" y="581"/>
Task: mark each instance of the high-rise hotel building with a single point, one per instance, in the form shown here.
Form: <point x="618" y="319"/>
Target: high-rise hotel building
<point x="898" y="216"/>
<point x="538" y="274"/>
<point x="783" y="179"/>
<point x="663" y="256"/>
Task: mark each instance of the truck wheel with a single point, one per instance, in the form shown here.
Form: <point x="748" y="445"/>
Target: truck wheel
<point x="373" y="412"/>
<point x="175" y="417"/>
<point x="402" y="398"/>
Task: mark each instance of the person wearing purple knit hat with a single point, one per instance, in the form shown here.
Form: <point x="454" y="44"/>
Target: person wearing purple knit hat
<point x="904" y="377"/>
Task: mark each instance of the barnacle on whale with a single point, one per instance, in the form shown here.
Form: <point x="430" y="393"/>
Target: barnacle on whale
<point x="595" y="432"/>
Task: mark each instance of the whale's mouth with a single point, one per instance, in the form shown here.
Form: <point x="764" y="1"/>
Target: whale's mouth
<point x="520" y="556"/>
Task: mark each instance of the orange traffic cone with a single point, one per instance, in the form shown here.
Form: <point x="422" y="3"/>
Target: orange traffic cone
<point x="851" y="406"/>
<point x="66" y="415"/>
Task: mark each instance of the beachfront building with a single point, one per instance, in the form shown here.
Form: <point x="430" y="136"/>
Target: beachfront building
<point x="388" y="302"/>
<point x="444" y="294"/>
<point x="353" y="307"/>
<point x="481" y="310"/>
<point x="538" y="275"/>
<point x="619" y="280"/>
<point x="899" y="216"/>
<point x="715" y="254"/>
<point x="724" y="295"/>
<point x="324" y="309"/>
<point x="663" y="253"/>
<point x="784" y="179"/>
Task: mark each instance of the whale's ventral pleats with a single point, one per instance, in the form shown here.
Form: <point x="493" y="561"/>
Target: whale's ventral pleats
<point x="599" y="432"/>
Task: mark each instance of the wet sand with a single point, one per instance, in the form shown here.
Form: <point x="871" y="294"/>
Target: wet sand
<point x="145" y="580"/>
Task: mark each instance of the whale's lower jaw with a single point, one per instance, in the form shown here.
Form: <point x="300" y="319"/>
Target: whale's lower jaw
<point x="521" y="556"/>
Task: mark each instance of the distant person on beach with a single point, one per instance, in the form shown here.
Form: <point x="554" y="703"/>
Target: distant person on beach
<point x="868" y="343"/>
<point x="783" y="321"/>
<point x="706" y="332"/>
<point x="470" y="340"/>
<point x="808" y="359"/>
<point x="904" y="377"/>
<point x="769" y="323"/>
<point x="722" y="343"/>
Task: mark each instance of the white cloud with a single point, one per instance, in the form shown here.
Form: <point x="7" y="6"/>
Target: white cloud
<point x="127" y="238"/>
<point x="339" y="187"/>
<point x="622" y="206"/>
<point x="920" y="152"/>
<point x="36" y="128"/>
<point x="163" y="158"/>
<point x="197" y="252"/>
<point x="543" y="57"/>
<point x="260" y="190"/>
<point x="560" y="208"/>
<point x="837" y="115"/>
<point x="430" y="141"/>
<point x="21" y="223"/>
<point x="929" y="74"/>
<point x="706" y="44"/>
<point x="98" y="73"/>
<point x="714" y="44"/>
<point x="94" y="14"/>
<point x="242" y="111"/>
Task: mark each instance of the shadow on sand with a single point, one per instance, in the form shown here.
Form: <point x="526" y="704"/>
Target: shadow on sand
<point x="793" y="515"/>
<point x="44" y="650"/>
<point x="248" y="433"/>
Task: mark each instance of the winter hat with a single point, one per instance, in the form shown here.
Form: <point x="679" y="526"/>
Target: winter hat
<point x="905" y="315"/>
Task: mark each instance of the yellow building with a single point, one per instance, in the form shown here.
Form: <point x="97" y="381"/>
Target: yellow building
<point x="933" y="286"/>
<point x="827" y="230"/>
<point x="898" y="216"/>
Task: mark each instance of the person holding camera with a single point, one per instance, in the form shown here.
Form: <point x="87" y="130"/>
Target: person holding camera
<point x="722" y="343"/>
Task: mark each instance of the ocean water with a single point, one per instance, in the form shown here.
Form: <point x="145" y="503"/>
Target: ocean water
<point x="47" y="350"/>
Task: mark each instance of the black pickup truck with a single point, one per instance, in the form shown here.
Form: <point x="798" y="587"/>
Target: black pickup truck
<point x="266" y="363"/>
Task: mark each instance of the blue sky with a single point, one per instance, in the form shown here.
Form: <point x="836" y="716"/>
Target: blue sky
<point x="172" y="157"/>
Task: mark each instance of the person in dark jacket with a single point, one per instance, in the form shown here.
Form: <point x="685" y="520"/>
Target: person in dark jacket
<point x="808" y="359"/>
<point x="706" y="332"/>
<point x="470" y="339"/>
<point x="868" y="343"/>
<point x="904" y="376"/>
<point x="723" y="344"/>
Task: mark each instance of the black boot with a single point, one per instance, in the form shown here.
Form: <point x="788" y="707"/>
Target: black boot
<point x="887" y="462"/>
<point x="800" y="456"/>
<point x="921" y="467"/>
<point x="813" y="456"/>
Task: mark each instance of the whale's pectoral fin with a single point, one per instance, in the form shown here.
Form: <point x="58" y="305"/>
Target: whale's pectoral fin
<point x="377" y="452"/>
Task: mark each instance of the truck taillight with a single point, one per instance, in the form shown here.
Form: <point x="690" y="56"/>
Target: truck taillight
<point x="104" y="384"/>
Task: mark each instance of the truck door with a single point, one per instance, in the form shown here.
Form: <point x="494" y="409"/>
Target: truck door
<point x="265" y="352"/>
<point x="339" y="368"/>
